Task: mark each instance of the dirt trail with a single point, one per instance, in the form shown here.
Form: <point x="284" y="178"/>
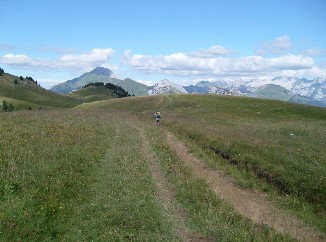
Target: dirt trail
<point x="166" y="196"/>
<point x="250" y="204"/>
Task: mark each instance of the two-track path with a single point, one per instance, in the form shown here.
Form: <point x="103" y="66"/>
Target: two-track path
<point x="250" y="204"/>
<point x="166" y="195"/>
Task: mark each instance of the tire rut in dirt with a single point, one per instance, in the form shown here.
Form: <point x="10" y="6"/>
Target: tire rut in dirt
<point x="166" y="196"/>
<point x="252" y="205"/>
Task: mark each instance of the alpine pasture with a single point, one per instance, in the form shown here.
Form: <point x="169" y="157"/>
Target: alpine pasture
<point x="102" y="171"/>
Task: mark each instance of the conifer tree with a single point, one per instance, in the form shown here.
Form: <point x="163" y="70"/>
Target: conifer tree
<point x="4" y="106"/>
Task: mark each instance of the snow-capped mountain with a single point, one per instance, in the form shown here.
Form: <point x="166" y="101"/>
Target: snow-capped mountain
<point x="166" y="86"/>
<point x="315" y="89"/>
<point x="293" y="89"/>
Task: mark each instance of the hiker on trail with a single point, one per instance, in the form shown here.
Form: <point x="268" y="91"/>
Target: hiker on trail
<point x="157" y="117"/>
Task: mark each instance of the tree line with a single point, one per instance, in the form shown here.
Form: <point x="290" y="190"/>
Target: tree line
<point x="28" y="78"/>
<point x="117" y="90"/>
<point x="20" y="78"/>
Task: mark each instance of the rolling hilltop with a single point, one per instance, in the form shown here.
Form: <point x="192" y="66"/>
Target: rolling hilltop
<point x="25" y="93"/>
<point x="99" y="91"/>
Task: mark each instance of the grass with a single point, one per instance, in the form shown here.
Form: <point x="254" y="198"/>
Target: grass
<point x="71" y="175"/>
<point x="46" y="161"/>
<point x="82" y="174"/>
<point x="273" y="146"/>
<point x="124" y="195"/>
<point x="208" y="215"/>
<point x="278" y="143"/>
<point x="93" y="93"/>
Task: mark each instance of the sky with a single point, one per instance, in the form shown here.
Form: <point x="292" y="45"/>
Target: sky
<point x="149" y="40"/>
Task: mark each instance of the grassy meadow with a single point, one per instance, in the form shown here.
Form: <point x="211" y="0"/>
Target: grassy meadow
<point x="84" y="174"/>
<point x="273" y="146"/>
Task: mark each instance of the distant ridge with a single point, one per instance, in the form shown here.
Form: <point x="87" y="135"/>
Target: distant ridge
<point x="166" y="87"/>
<point x="101" y="74"/>
<point x="291" y="89"/>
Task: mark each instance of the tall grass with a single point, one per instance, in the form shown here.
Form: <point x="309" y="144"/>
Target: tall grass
<point x="124" y="194"/>
<point x="46" y="162"/>
<point x="75" y="176"/>
<point x="264" y="144"/>
<point x="82" y="174"/>
<point x="280" y="143"/>
<point x="208" y="215"/>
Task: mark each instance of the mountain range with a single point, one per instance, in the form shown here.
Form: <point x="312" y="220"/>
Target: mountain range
<point x="292" y="89"/>
<point x="101" y="74"/>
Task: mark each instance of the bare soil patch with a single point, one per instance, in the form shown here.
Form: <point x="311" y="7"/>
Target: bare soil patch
<point x="248" y="203"/>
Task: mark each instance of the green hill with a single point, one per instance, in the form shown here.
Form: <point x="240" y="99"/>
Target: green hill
<point x="100" y="91"/>
<point x="93" y="93"/>
<point x="24" y="93"/>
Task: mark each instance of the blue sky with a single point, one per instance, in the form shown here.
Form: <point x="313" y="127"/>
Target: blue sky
<point x="148" y="41"/>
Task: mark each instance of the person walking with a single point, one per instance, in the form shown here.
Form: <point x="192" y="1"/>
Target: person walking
<point x="157" y="117"/>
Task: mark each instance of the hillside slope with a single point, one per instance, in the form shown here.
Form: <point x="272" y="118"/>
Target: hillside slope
<point x="93" y="93"/>
<point x="25" y="93"/>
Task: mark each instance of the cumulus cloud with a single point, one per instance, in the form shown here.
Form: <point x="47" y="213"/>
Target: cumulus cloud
<point x="212" y="51"/>
<point x="278" y="46"/>
<point x="311" y="52"/>
<point x="96" y="56"/>
<point x="205" y="66"/>
<point x="83" y="61"/>
<point x="20" y="60"/>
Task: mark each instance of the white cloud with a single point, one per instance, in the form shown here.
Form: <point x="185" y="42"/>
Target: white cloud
<point x="96" y="56"/>
<point x="47" y="70"/>
<point x="84" y="61"/>
<point x="209" y="64"/>
<point x="10" y="59"/>
<point x="278" y="46"/>
<point x="212" y="51"/>
<point x="311" y="52"/>
<point x="147" y="83"/>
<point x="292" y="62"/>
<point x="203" y="66"/>
<point x="48" y="83"/>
